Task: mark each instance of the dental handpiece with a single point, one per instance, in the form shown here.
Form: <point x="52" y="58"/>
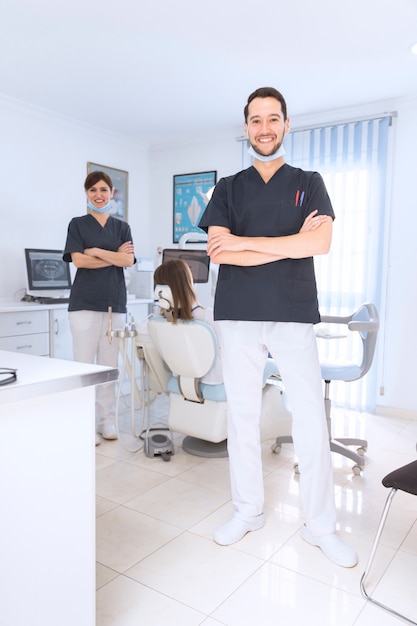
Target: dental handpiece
<point x="109" y="332"/>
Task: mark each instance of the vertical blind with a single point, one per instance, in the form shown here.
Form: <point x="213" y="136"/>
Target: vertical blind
<point x="353" y="157"/>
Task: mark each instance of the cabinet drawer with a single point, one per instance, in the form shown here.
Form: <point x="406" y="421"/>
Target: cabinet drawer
<point x="27" y="344"/>
<point x="23" y="323"/>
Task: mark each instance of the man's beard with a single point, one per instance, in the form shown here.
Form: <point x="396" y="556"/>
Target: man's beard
<point x="274" y="149"/>
<point x="276" y="152"/>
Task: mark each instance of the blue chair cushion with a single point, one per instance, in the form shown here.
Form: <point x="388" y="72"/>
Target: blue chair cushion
<point x="217" y="393"/>
<point x="340" y="371"/>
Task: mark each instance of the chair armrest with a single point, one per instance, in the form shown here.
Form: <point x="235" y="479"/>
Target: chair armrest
<point x="335" y="319"/>
<point x="365" y="326"/>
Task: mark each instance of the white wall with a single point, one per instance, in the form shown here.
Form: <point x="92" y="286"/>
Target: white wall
<point x="44" y="163"/>
<point x="398" y="347"/>
<point x="397" y="343"/>
<point x="222" y="154"/>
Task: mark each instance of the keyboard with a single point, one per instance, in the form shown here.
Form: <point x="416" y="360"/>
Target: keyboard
<point x="52" y="300"/>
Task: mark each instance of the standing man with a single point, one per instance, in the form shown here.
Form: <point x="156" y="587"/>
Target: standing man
<point x="266" y="301"/>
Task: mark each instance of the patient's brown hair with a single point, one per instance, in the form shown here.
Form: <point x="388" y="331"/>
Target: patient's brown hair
<point x="177" y="275"/>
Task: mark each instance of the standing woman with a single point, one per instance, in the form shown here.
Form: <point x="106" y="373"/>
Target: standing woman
<point x="100" y="246"/>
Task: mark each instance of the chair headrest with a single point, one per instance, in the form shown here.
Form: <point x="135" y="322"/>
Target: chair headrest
<point x="164" y="296"/>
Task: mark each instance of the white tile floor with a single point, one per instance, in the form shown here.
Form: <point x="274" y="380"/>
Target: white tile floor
<point x="157" y="563"/>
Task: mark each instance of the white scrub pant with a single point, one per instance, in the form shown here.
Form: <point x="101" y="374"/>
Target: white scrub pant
<point x="293" y="346"/>
<point x="90" y="345"/>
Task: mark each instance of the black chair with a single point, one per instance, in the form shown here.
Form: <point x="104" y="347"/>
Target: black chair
<point x="403" y="479"/>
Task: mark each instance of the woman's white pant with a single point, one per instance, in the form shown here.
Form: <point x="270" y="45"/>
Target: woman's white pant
<point x="245" y="347"/>
<point x="91" y="345"/>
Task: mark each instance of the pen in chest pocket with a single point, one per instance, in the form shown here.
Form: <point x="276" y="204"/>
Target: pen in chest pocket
<point x="299" y="197"/>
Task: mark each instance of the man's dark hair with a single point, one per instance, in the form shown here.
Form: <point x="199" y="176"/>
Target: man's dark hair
<point x="266" y="92"/>
<point x="94" y="177"/>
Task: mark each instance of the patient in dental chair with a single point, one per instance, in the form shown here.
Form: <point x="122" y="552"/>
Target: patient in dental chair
<point x="178" y="300"/>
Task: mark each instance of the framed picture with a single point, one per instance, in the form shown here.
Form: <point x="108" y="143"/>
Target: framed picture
<point x="120" y="180"/>
<point x="190" y="200"/>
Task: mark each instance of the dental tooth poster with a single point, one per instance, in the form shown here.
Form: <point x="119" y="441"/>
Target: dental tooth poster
<point x="191" y="195"/>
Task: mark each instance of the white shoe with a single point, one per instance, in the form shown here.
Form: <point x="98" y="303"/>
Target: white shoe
<point x="333" y="547"/>
<point x="107" y="431"/>
<point x="236" y="528"/>
<point x="98" y="441"/>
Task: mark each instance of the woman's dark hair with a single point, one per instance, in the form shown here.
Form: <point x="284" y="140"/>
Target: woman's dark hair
<point x="94" y="177"/>
<point x="177" y="275"/>
<point x="266" y="92"/>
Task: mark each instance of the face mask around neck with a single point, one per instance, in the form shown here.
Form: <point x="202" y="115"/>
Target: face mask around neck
<point x="266" y="159"/>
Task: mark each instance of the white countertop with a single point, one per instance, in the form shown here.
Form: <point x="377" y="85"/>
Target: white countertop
<point x="41" y="376"/>
<point x="6" y="306"/>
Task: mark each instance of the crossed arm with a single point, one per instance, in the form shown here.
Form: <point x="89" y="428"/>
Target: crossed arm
<point x="94" y="258"/>
<point x="313" y="238"/>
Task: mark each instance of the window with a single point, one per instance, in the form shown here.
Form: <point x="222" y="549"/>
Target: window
<point x="353" y="159"/>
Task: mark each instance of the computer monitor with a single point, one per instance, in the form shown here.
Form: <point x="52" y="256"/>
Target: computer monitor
<point x="198" y="261"/>
<point x="48" y="275"/>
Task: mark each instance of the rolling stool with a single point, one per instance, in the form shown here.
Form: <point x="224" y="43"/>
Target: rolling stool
<point x="403" y="479"/>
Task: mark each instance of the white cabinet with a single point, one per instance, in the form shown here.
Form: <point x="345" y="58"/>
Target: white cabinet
<point x="44" y="330"/>
<point x="41" y="332"/>
<point x="26" y="332"/>
<point x="47" y="538"/>
<point x="60" y="338"/>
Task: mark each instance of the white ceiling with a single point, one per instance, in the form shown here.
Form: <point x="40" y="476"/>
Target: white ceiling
<point x="167" y="71"/>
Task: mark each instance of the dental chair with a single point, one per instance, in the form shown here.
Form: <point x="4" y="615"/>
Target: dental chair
<point x="365" y="322"/>
<point x="196" y="409"/>
<point x="177" y="356"/>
